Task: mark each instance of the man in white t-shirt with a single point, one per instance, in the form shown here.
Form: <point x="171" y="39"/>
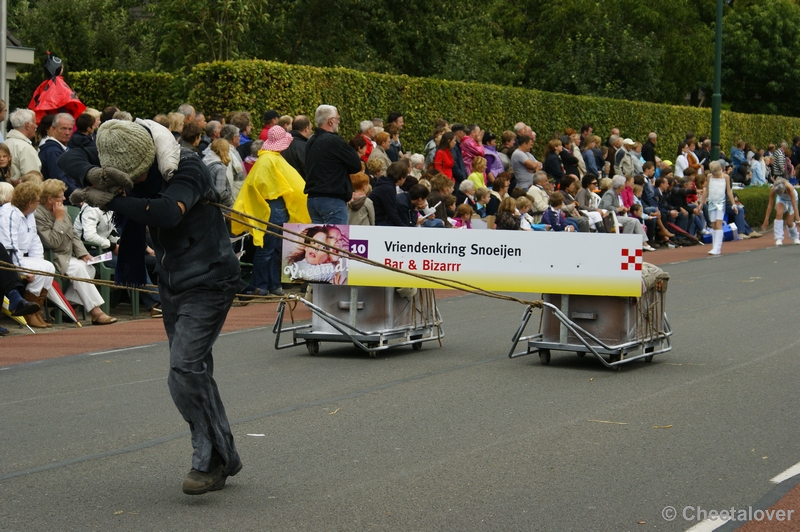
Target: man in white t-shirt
<point x="524" y="164"/>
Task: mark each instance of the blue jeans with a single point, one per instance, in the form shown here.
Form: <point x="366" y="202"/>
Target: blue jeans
<point x="267" y="259"/>
<point x="436" y="222"/>
<point x="327" y="211"/>
<point x="193" y="319"/>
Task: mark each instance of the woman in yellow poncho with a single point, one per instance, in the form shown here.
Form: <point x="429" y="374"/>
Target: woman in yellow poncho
<point x="272" y="191"/>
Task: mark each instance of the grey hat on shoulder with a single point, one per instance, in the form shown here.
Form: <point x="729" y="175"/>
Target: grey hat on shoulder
<point x="125" y="146"/>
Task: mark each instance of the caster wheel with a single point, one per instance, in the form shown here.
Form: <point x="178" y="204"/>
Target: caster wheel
<point x="649" y="350"/>
<point x="648" y="359"/>
<point x="581" y="354"/>
<point x="544" y="356"/>
<point x="416" y="346"/>
<point x="615" y="358"/>
<point x="313" y="347"/>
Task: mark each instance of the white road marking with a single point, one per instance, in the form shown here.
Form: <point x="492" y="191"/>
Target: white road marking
<point x="707" y="525"/>
<point x="789" y="473"/>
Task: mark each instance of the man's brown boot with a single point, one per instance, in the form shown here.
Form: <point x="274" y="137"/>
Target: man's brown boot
<point x="41" y="301"/>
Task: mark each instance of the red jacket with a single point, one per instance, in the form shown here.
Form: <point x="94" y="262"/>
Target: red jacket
<point x="443" y="161"/>
<point x="365" y="157"/>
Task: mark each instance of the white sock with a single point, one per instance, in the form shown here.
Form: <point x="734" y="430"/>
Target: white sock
<point x="778" y="229"/>
<point x="792" y="232"/>
<point x="717" y="237"/>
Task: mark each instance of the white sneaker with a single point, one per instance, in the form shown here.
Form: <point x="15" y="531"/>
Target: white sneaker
<point x="779" y="242"/>
<point x="714" y="252"/>
<point x="796" y="241"/>
<point x="648" y="247"/>
<point x="706" y="231"/>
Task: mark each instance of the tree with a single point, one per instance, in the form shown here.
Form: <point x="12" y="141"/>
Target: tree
<point x="761" y="57"/>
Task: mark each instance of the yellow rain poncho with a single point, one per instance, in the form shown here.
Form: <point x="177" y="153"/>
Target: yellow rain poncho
<point x="269" y="179"/>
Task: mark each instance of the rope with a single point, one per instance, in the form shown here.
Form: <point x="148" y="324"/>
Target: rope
<point x="308" y="242"/>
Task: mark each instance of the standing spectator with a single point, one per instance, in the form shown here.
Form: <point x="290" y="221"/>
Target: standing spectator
<point x="614" y="143"/>
<point x="384" y="196"/>
<point x="393" y="150"/>
<point x="108" y="113"/>
<point x="779" y="162"/>
<point x="53" y="146"/>
<point x="433" y="144"/>
<point x="211" y="132"/>
<point x="443" y="161"/>
<point x="368" y="132"/>
<point x="396" y="119"/>
<point x="552" y="160"/>
<point x="360" y="210"/>
<point x="217" y="159"/>
<point x="459" y="170"/>
<point x="176" y="123"/>
<point x="494" y="162"/>
<point x="383" y="142"/>
<point x="242" y="120"/>
<point x="703" y="151"/>
<point x="23" y="155"/>
<point x="329" y="163"/>
<point x="236" y="171"/>
<point x="471" y="146"/>
<point x="649" y="148"/>
<point x="5" y="166"/>
<point x="272" y="192"/>
<point x="188" y="113"/>
<point x="568" y="160"/>
<point x="191" y="136"/>
<point x="270" y="120"/>
<point x="295" y="154"/>
<point x="588" y="156"/>
<point x="758" y="170"/>
<point x="576" y="152"/>
<point x="587" y="130"/>
<point x="524" y="164"/>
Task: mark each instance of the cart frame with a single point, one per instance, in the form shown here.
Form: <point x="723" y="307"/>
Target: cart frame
<point x="370" y="341"/>
<point x="618" y="354"/>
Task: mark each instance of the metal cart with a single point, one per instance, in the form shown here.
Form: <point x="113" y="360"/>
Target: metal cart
<point x="616" y="330"/>
<point x="371" y="318"/>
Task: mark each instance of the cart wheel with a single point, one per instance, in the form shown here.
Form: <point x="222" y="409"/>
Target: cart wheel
<point x="544" y="356"/>
<point x="313" y="347"/>
<point x="615" y="358"/>
<point x="581" y="354"/>
<point x="416" y="346"/>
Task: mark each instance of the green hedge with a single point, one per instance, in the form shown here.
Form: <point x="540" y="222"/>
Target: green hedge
<point x="257" y="86"/>
<point x="143" y="94"/>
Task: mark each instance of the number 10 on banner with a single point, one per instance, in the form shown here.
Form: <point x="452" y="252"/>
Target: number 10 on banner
<point x="360" y="247"/>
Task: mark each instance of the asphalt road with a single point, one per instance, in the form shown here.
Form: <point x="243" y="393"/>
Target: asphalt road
<point x="454" y="438"/>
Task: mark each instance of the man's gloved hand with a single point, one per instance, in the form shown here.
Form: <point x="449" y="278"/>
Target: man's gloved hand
<point x="109" y="179"/>
<point x="92" y="196"/>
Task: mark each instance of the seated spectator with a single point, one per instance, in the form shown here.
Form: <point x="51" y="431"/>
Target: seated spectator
<point x="494" y="161"/>
<point x="463" y="217"/>
<point x="611" y="201"/>
<point x="360" y="210"/>
<point x="524" y="205"/>
<point x="482" y="196"/>
<point x="569" y="188"/>
<point x="589" y="202"/>
<point x="418" y="195"/>
<point x="554" y="216"/>
<point x="441" y="186"/>
<point x="5" y="164"/>
<point x="449" y="201"/>
<point x="54" y="226"/>
<point x="758" y="170"/>
<point x="217" y="159"/>
<point x="12" y="288"/>
<point x="18" y="236"/>
<point x="744" y="229"/>
<point x="540" y="192"/>
<point x="507" y="218"/>
<point x="384" y="195"/>
<point x="96" y="228"/>
<point x="466" y="193"/>
<point x="499" y="192"/>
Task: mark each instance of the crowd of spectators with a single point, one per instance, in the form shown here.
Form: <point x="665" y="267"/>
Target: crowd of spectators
<point x="303" y="171"/>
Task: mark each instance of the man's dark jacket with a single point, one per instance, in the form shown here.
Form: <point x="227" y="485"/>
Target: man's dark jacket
<point x="329" y="163"/>
<point x="295" y="154"/>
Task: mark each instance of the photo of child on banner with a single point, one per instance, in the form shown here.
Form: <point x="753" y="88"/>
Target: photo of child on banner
<point x="315" y="263"/>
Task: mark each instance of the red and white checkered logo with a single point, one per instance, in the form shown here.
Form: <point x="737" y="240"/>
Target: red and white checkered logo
<point x="632" y="259"/>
